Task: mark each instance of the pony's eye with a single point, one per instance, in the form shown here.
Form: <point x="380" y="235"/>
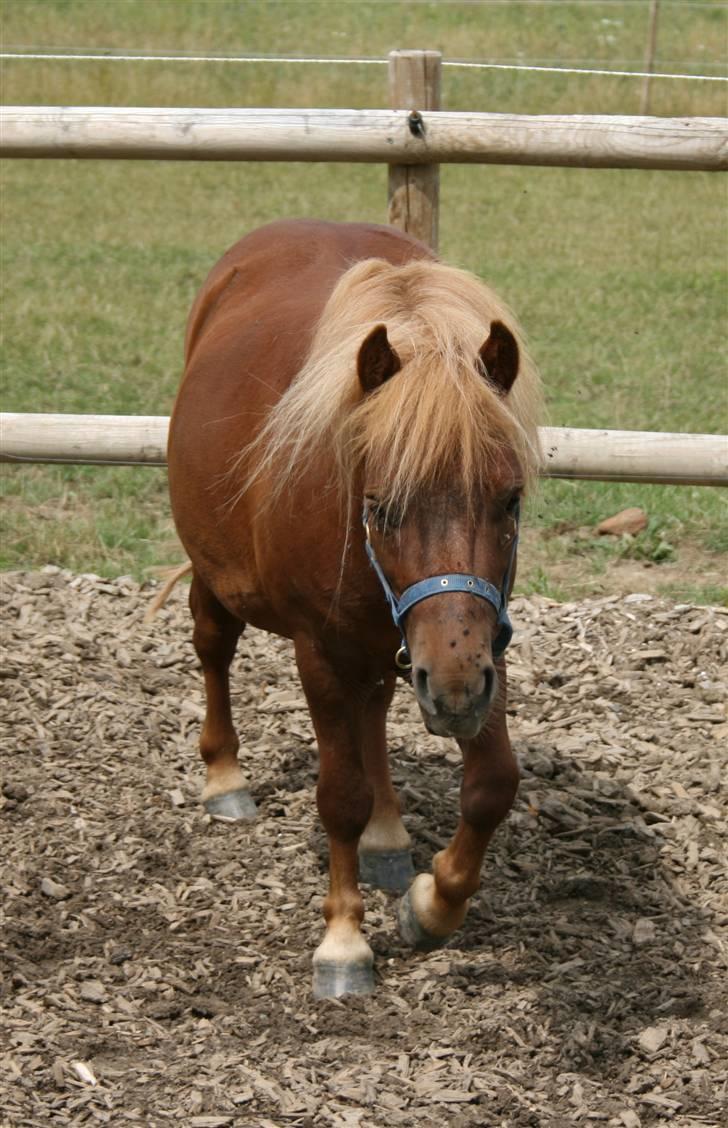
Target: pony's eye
<point x="511" y="512"/>
<point x="510" y="504"/>
<point x="383" y="514"/>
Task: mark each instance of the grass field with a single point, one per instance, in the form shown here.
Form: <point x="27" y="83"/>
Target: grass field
<point x="618" y="276"/>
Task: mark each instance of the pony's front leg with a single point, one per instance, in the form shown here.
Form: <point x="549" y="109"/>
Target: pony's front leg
<point x="343" y="961"/>
<point x="436" y="903"/>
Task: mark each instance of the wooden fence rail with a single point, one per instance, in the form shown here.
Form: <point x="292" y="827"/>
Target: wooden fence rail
<point x="613" y="456"/>
<point x="385" y="136"/>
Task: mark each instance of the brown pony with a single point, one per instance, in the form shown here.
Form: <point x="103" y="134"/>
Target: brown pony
<point x="356" y="418"/>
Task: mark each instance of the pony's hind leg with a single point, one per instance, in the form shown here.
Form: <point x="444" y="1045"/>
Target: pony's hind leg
<point x="215" y="638"/>
<point x="385" y="856"/>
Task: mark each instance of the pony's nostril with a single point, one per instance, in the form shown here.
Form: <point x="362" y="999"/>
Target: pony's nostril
<point x="489" y="684"/>
<point x="420" y="679"/>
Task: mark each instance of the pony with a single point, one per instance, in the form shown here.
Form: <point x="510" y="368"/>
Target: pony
<point x="355" y="428"/>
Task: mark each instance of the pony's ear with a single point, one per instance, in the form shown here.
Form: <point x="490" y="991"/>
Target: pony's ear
<point x="377" y="361"/>
<point x="498" y="357"/>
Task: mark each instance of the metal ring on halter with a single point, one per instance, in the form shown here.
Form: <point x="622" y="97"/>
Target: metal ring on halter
<point x="402" y="659"/>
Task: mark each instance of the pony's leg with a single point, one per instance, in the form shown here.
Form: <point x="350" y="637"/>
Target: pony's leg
<point x="342" y="963"/>
<point x="436" y="903"/>
<point x="385" y="856"/>
<point x="215" y="638"/>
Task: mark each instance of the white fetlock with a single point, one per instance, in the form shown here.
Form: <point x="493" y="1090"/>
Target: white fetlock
<point x="343" y="944"/>
<point x="425" y="919"/>
<point x="230" y="779"/>
<point x="382" y="835"/>
<point x="343" y="964"/>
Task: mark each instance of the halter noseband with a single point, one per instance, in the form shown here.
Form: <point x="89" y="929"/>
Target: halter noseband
<point x="440" y="585"/>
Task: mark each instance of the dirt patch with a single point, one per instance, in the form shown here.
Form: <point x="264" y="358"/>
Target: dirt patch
<point x="157" y="964"/>
<point x="568" y="564"/>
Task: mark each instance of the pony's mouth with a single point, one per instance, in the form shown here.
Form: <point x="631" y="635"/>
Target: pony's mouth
<point x="456" y="708"/>
<point x="457" y="726"/>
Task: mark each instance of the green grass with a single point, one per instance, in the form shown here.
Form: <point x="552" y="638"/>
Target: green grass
<point x="618" y="276"/>
<point x="594" y="34"/>
<point x="716" y="594"/>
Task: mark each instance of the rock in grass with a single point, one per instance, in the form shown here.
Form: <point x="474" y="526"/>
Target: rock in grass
<point x="632" y="521"/>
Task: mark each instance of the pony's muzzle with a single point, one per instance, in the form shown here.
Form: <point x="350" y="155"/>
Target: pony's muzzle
<point x="455" y="706"/>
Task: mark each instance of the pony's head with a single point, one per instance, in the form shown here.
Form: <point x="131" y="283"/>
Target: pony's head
<point x="458" y="526"/>
<point x="420" y="386"/>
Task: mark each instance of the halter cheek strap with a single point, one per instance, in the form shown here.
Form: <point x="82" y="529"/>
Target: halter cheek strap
<point x="441" y="585"/>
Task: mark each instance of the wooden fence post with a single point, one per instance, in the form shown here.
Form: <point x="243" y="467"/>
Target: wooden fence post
<point x="414" y="190"/>
<point x="649" y="55"/>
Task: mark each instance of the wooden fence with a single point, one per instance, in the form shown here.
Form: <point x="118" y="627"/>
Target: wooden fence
<point x="569" y="452"/>
<point x="375" y="136"/>
<point x="412" y="138"/>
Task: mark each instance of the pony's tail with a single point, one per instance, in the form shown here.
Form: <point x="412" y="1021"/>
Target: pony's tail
<point x="173" y="576"/>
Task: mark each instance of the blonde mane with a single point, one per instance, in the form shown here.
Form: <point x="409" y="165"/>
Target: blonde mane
<point x="436" y="420"/>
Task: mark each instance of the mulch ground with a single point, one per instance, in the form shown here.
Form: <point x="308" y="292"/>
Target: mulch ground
<point x="156" y="964"/>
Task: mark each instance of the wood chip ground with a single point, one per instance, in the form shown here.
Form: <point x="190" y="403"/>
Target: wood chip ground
<point x="156" y="964"/>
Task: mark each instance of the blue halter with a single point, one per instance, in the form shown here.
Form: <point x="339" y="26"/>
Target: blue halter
<point x="440" y="585"/>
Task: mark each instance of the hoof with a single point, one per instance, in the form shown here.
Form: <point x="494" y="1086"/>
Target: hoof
<point x="387" y="869"/>
<point x="232" y="806"/>
<point x="412" y="931"/>
<point x="330" y="980"/>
